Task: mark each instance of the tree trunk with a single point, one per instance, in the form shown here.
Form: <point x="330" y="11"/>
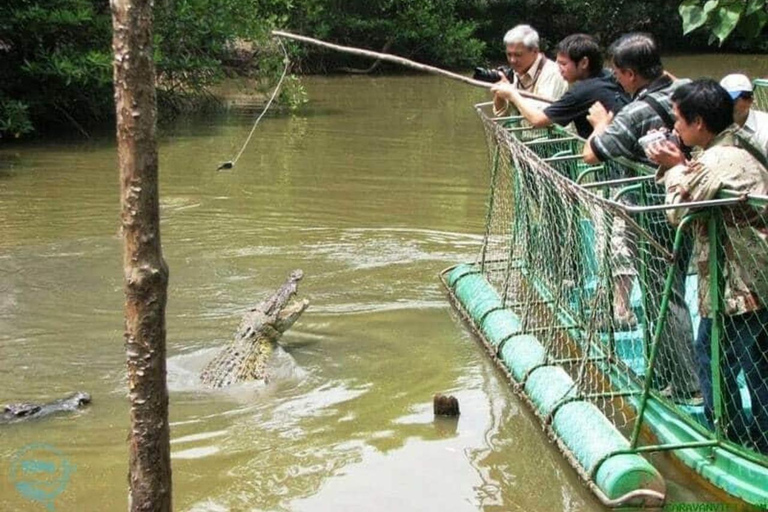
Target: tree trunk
<point x="146" y="274"/>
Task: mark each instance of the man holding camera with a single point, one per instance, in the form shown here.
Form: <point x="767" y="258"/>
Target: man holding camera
<point x="637" y="66"/>
<point x="704" y="115"/>
<point x="533" y="72"/>
<point x="580" y="62"/>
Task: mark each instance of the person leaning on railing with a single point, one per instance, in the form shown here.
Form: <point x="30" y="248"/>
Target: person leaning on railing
<point x="704" y="117"/>
<point x="637" y="66"/>
<point x="533" y="71"/>
<point x="580" y="61"/>
<point x="752" y="121"/>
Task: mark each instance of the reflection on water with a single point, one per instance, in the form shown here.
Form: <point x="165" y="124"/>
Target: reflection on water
<point x="375" y="189"/>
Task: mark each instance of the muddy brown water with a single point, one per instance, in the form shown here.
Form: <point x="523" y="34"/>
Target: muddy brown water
<point x="372" y="190"/>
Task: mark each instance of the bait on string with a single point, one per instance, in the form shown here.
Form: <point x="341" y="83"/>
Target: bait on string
<point x="364" y="53"/>
<point x="287" y="64"/>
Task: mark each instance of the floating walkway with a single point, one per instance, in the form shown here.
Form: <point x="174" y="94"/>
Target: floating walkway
<point x="565" y="243"/>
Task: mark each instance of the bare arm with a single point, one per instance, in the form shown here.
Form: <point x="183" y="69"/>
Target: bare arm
<point x="589" y="156"/>
<point x="528" y="109"/>
<point x="599" y="117"/>
<point x="531" y="111"/>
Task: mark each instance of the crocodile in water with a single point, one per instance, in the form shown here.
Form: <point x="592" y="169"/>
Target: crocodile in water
<point x="246" y="357"/>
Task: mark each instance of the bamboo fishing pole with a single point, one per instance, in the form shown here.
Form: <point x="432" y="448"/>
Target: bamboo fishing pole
<point x="373" y="55"/>
<point x="399" y="60"/>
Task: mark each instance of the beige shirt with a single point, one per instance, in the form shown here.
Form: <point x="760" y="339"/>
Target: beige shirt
<point x="722" y="166"/>
<point x="542" y="78"/>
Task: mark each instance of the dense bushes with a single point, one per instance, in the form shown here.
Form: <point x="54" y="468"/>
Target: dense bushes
<point x="555" y="19"/>
<point x="429" y="31"/>
<point x="56" y="60"/>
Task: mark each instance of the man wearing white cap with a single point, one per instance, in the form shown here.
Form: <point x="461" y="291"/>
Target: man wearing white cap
<point x="752" y="121"/>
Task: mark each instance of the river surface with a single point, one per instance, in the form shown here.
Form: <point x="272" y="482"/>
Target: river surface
<point x="374" y="188"/>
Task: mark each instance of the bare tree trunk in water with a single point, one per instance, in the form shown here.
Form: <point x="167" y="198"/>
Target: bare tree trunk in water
<point x="146" y="274"/>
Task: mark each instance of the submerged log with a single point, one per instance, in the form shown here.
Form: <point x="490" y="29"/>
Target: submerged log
<point x="247" y="356"/>
<point x="16" y="412"/>
<point x="445" y="405"/>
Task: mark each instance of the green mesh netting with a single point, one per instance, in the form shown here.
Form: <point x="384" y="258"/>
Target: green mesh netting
<point x="580" y="257"/>
<point x="761" y="94"/>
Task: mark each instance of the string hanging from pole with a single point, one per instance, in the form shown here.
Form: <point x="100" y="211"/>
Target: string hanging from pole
<point x="364" y="53"/>
<point x="287" y="64"/>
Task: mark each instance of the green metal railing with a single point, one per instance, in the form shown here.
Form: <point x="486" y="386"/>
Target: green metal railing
<point x="561" y="151"/>
<point x="761" y="94"/>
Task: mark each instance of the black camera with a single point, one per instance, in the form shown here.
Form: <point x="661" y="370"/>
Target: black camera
<point x="492" y="75"/>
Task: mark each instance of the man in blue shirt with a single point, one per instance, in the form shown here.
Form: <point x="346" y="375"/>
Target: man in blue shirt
<point x="580" y="61"/>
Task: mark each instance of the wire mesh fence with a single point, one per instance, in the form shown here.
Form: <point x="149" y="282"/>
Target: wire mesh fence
<point x="761" y="94"/>
<point x="732" y="341"/>
<point x="587" y="263"/>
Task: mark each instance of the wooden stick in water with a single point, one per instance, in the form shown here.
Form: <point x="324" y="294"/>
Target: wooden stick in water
<point x="399" y="60"/>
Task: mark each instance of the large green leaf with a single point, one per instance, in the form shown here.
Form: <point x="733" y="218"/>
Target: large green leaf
<point x="725" y="20"/>
<point x="751" y="25"/>
<point x="754" y="6"/>
<point x="693" y="15"/>
<point x="711" y="5"/>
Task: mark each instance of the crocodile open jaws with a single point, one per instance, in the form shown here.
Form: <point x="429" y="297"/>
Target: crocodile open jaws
<point x="246" y="358"/>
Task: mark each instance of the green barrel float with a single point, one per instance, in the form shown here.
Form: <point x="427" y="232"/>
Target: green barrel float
<point x="482" y="302"/>
<point x="581" y="426"/>
<point x="472" y="289"/>
<point x="501" y="325"/>
<point x="458" y="272"/>
<point x="522" y="353"/>
<point x="617" y="475"/>
<point x="547" y="386"/>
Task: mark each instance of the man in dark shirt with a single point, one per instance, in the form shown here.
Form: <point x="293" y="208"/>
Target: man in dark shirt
<point x="581" y="65"/>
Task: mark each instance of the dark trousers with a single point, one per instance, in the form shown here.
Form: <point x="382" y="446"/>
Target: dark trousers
<point x="744" y="347"/>
<point x="675" y="364"/>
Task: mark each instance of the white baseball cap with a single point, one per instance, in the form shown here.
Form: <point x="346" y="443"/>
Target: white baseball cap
<point x="736" y="84"/>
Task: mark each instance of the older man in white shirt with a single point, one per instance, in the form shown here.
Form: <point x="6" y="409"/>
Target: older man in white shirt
<point x="533" y="71"/>
<point x="752" y="121"/>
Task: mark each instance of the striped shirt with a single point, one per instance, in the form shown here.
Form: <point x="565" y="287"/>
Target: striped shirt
<point x="635" y="120"/>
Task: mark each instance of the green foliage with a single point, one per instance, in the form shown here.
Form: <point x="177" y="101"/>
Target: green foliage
<point x="293" y="94"/>
<point x="56" y="57"/>
<point x="194" y="37"/>
<point x="14" y="119"/>
<point x="722" y="18"/>
<point x="54" y="61"/>
<point x="555" y="19"/>
<point x="429" y="31"/>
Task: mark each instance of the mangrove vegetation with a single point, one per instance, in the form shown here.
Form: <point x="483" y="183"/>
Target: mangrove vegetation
<point x="55" y="54"/>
